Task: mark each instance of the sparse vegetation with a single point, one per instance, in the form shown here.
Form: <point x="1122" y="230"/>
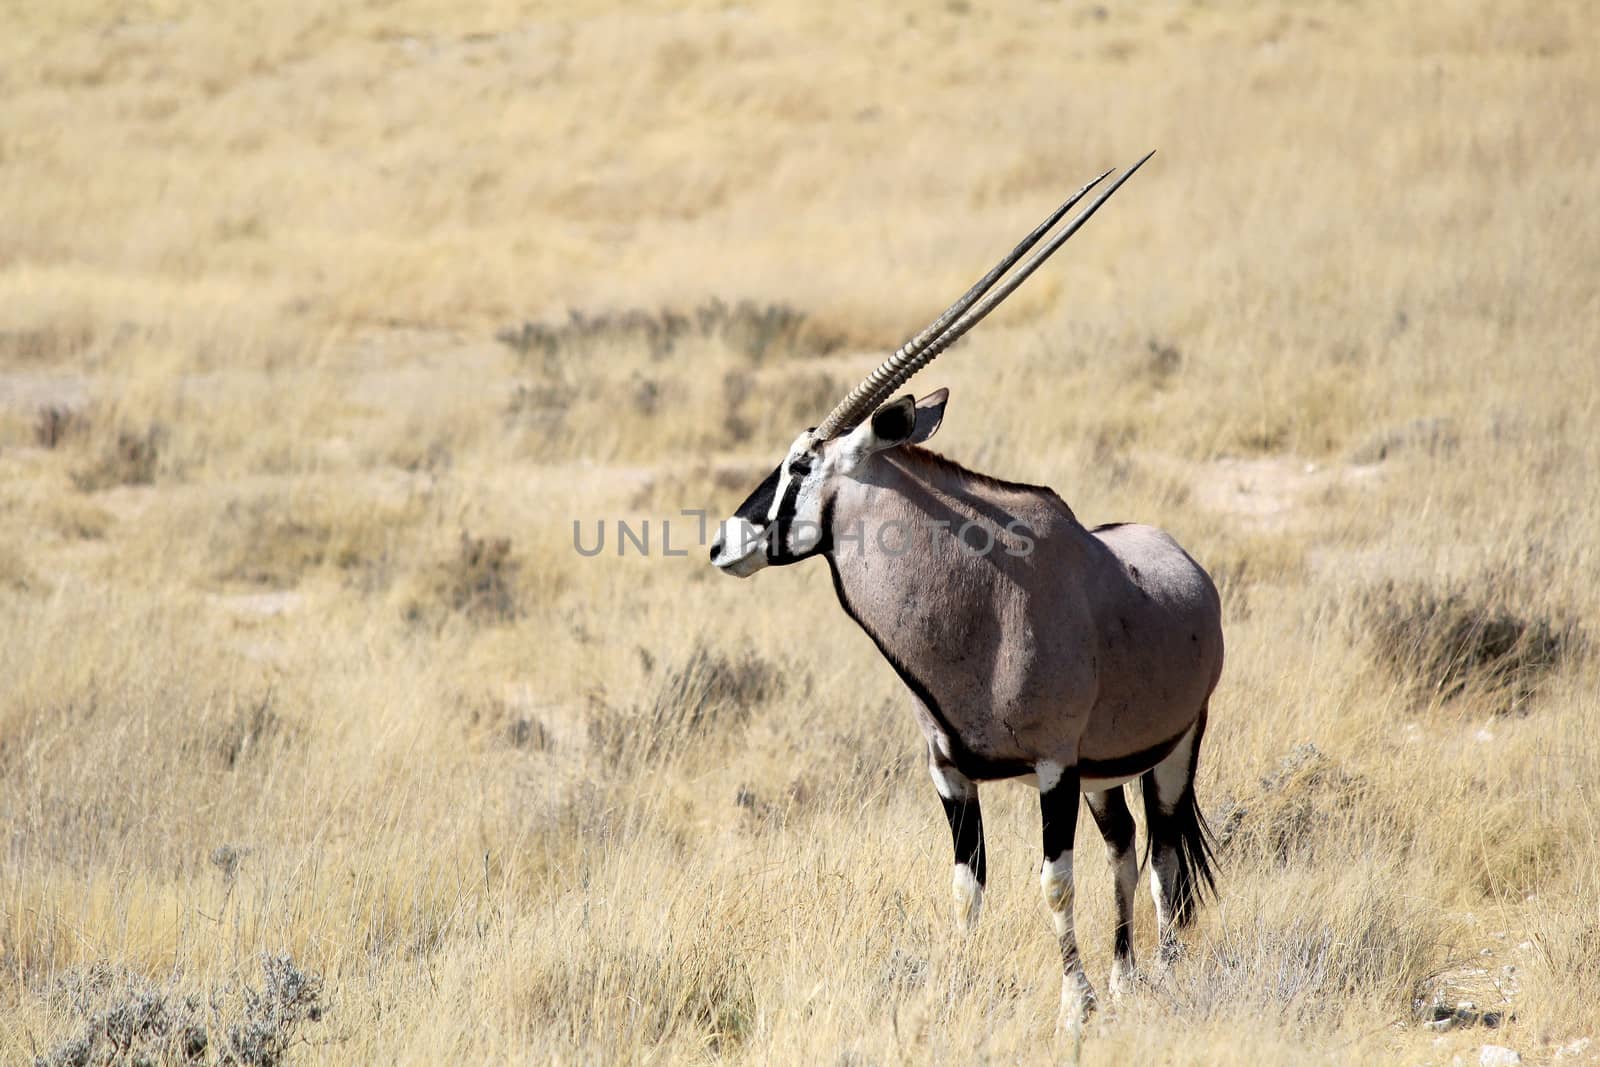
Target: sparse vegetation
<point x="275" y="541"/>
<point x="53" y="424"/>
<point x="15" y="574"/>
<point x="1313" y="957"/>
<point x="127" y="1021"/>
<point x="709" y="694"/>
<point x="130" y="457"/>
<point x="479" y="581"/>
<point x="299" y="657"/>
<point x="754" y="332"/>
<point x="1290" y="811"/>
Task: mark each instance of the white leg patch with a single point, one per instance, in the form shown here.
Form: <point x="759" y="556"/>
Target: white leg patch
<point x="1048" y="774"/>
<point x="1163" y="876"/>
<point x="952" y="785"/>
<point x="1172" y="773"/>
<point x="968" y="896"/>
<point x="1055" y="879"/>
<point x="1158" y="877"/>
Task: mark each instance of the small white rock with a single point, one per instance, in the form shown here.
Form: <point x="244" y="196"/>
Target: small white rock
<point x="1574" y="1048"/>
<point x="1498" y="1056"/>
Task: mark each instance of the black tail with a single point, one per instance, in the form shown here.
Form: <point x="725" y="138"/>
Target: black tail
<point x="1184" y="830"/>
<point x="1196" y="868"/>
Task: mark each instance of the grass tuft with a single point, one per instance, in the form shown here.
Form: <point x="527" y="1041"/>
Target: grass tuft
<point x="1459" y="640"/>
<point x="1308" y="961"/>
<point x="708" y="693"/>
<point x="479" y="582"/>
<point x="54" y="424"/>
<point x="131" y="457"/>
<point x="1288" y="813"/>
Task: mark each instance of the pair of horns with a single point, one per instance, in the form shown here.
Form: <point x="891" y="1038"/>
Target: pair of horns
<point x="962" y="316"/>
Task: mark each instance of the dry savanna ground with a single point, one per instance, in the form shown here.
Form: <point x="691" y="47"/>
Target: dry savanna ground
<point x="320" y="326"/>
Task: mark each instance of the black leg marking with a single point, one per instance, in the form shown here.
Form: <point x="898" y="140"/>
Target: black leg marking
<point x="1058" y="807"/>
<point x="1115" y="821"/>
<point x="966" y="834"/>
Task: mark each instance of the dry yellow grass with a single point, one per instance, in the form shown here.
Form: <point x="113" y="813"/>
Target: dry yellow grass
<point x="258" y="443"/>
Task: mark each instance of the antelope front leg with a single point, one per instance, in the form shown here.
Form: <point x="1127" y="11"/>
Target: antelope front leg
<point x="960" y="796"/>
<point x="1058" y="804"/>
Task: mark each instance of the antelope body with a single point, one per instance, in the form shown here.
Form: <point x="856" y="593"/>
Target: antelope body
<point x="1032" y="646"/>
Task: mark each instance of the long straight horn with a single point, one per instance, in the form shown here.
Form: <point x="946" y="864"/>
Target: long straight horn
<point x="922" y="349"/>
<point x="849" y="410"/>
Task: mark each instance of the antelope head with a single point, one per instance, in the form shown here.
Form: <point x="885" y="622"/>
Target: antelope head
<point x="786" y="518"/>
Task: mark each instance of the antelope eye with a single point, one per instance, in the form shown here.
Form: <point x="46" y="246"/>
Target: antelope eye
<point x="800" y="466"/>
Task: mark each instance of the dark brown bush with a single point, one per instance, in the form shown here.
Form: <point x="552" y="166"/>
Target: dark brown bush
<point x="1459" y="640"/>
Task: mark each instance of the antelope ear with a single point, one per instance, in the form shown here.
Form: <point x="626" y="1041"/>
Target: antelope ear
<point x="891" y="425"/>
<point x="895" y="423"/>
<point x="930" y="414"/>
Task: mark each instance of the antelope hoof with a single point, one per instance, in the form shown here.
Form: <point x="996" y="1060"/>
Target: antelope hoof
<point x="1124" y="979"/>
<point x="1078" y="1002"/>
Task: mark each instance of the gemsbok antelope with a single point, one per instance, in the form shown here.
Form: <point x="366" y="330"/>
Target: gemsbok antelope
<point x="1033" y="647"/>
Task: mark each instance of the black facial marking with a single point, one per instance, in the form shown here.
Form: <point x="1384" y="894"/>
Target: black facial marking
<point x="758" y="505"/>
<point x="779" y="532"/>
<point x="778" y="536"/>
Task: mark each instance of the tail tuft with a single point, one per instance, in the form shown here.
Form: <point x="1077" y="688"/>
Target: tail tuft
<point x="1196" y="869"/>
